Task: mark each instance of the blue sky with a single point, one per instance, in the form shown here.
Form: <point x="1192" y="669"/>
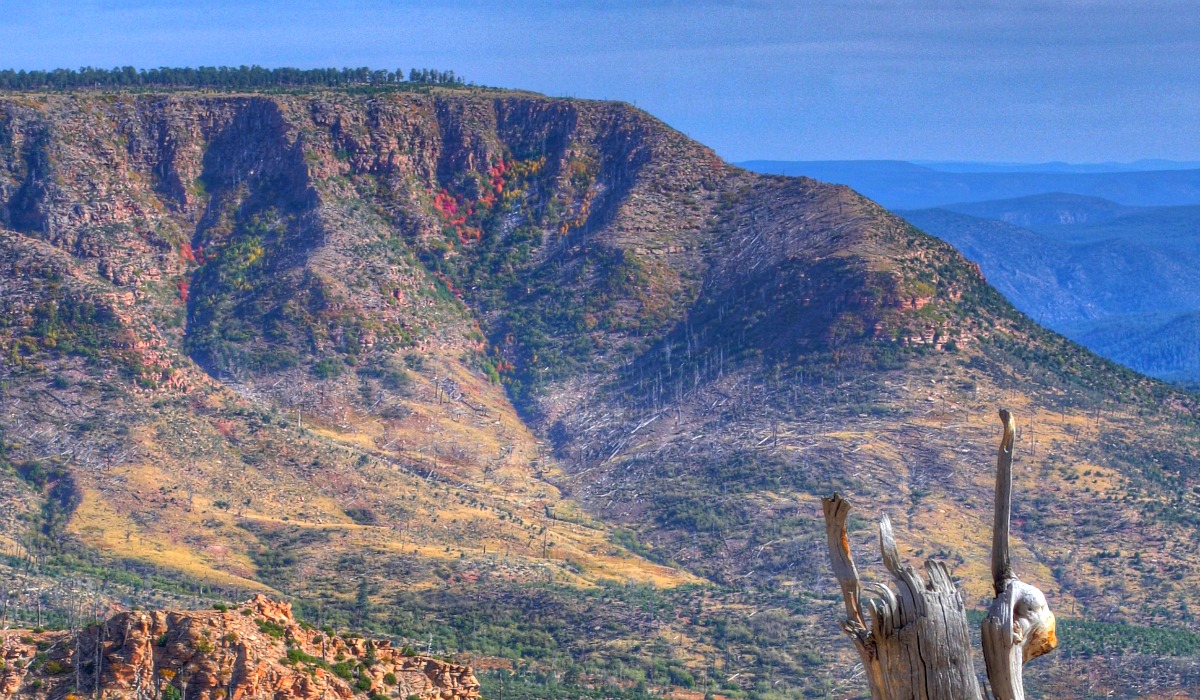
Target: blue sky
<point x="964" y="80"/>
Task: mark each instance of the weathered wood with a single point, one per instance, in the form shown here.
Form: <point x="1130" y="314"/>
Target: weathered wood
<point x="1019" y="625"/>
<point x="915" y="644"/>
<point x="836" y="510"/>
<point x="1002" y="518"/>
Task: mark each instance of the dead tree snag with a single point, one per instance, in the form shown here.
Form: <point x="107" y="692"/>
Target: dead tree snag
<point x="915" y="643"/>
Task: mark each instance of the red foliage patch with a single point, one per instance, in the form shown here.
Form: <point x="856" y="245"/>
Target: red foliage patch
<point x="191" y="255"/>
<point x="446" y="205"/>
<point x="448" y="283"/>
<point x="455" y="211"/>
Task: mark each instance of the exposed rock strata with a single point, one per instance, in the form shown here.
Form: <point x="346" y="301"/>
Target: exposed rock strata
<point x="255" y="650"/>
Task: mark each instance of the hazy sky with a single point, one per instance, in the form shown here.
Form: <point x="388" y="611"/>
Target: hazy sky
<point x="965" y="80"/>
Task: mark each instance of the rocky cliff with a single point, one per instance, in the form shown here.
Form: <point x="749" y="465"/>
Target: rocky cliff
<point x="204" y="294"/>
<point x="457" y="342"/>
<point x="339" y="294"/>
<point x="253" y="650"/>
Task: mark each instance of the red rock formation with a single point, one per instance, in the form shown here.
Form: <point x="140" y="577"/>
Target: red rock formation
<point x="256" y="650"/>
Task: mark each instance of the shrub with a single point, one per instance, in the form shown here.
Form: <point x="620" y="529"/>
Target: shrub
<point x="362" y="516"/>
<point x="328" y="368"/>
<point x="271" y="629"/>
<point x="681" y="677"/>
<point x="297" y="655"/>
<point x="389" y="372"/>
<point x="55" y="668"/>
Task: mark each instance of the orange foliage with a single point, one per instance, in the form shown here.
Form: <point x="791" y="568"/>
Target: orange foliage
<point x="496" y="174"/>
<point x="191" y="255"/>
<point x="585" y="210"/>
<point x="446" y="205"/>
<point x="456" y="212"/>
<point x="448" y="283"/>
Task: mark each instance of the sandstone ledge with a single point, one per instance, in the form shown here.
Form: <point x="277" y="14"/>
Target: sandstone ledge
<point x="254" y="650"/>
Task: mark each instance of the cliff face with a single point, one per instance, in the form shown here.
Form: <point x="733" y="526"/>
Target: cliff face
<point x="202" y="295"/>
<point x="254" y="650"/>
<point x="470" y="339"/>
<point x="289" y="229"/>
<point x="188" y="281"/>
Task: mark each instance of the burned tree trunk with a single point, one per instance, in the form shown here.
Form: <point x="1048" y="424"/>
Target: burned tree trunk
<point x="917" y="644"/>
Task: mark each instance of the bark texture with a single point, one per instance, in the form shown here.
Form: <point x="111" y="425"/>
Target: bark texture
<point x="917" y="644"/>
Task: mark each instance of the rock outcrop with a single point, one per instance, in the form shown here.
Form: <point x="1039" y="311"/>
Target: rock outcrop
<point x="452" y="341"/>
<point x="255" y="650"/>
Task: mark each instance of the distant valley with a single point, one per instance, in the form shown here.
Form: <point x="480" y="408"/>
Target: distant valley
<point x="906" y="185"/>
<point x="1119" y="277"/>
<point x="1123" y="281"/>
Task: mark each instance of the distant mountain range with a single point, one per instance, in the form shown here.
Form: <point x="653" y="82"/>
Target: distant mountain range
<point x="907" y="185"/>
<point x="1143" y="165"/>
<point x="1106" y="253"/>
<point x="1124" y="281"/>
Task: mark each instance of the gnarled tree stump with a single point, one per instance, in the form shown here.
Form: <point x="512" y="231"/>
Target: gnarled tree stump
<point x="916" y="646"/>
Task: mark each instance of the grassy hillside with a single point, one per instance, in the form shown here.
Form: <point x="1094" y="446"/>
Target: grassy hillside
<point x="537" y="380"/>
<point x="225" y="353"/>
